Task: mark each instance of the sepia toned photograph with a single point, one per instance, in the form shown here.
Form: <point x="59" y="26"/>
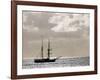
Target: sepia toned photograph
<point x="52" y="39"/>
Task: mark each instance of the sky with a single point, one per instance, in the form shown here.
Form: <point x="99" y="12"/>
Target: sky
<point x="68" y="33"/>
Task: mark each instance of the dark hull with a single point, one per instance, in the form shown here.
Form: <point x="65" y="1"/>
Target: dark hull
<point x="44" y="60"/>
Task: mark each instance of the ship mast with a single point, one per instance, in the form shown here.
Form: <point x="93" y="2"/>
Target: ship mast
<point x="49" y="49"/>
<point x="42" y="49"/>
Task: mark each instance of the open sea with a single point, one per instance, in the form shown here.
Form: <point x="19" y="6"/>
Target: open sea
<point x="63" y="62"/>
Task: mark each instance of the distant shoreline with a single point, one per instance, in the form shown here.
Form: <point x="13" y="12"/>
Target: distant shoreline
<point x="57" y="56"/>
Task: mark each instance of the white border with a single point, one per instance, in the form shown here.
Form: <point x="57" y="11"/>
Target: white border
<point x="21" y="71"/>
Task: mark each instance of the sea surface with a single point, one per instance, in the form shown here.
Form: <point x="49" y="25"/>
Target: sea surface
<point x="63" y="62"/>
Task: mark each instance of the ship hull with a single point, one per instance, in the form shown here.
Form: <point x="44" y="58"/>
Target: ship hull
<point x="44" y="60"/>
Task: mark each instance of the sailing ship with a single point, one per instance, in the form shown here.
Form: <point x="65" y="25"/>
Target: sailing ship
<point x="48" y="59"/>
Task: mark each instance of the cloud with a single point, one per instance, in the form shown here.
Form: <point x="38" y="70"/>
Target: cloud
<point x="37" y="21"/>
<point x="68" y="22"/>
<point x="28" y="21"/>
<point x="30" y="28"/>
<point x="54" y="25"/>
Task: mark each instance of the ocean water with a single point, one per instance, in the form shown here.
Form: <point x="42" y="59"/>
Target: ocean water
<point x="63" y="62"/>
